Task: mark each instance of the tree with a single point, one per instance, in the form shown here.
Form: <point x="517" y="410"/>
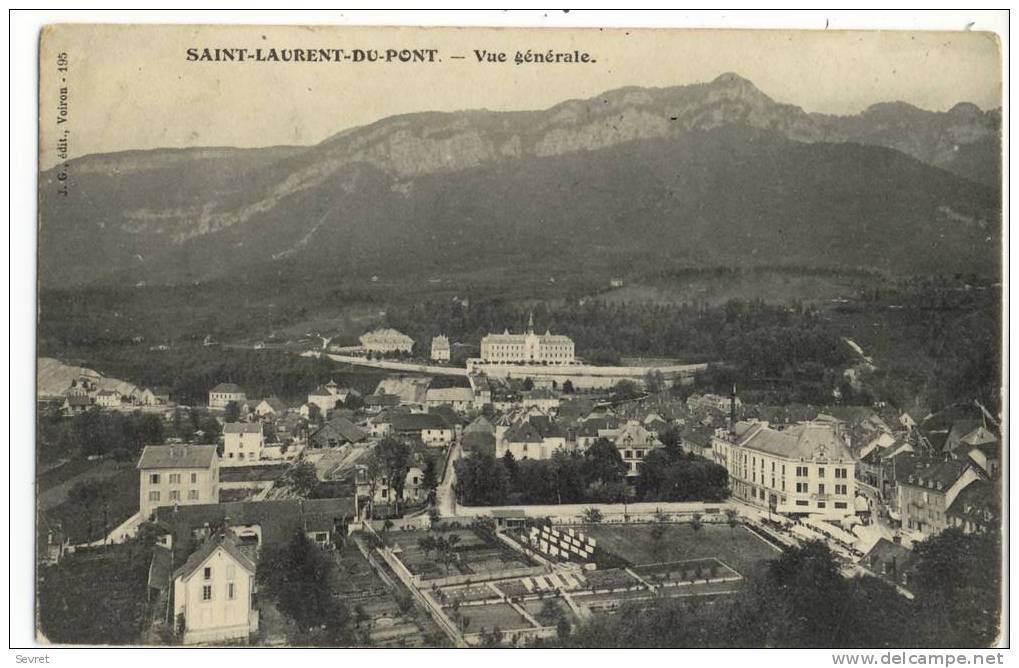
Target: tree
<point x="957" y="582"/>
<point x="568" y="386"/>
<point x="301" y="578"/>
<point x="302" y="479"/>
<point x="592" y="515"/>
<point x="429" y="477"/>
<point x="673" y="443"/>
<point x="427" y="544"/>
<point x="510" y="462"/>
<point x="654" y="381"/>
<point x="528" y="384"/>
<point x="605" y="462"/>
<point x="391" y="457"/>
<point x="232" y="412"/>
<point x="481" y="480"/>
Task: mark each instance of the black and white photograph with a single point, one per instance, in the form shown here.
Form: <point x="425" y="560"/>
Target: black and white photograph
<point x="533" y="338"/>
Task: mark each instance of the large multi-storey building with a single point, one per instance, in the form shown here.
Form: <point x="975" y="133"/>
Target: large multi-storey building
<point x="802" y="469"/>
<point x="386" y="341"/>
<point x="177" y="475"/>
<point x="526" y="348"/>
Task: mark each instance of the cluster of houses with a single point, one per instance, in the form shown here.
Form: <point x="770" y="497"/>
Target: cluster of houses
<point x="88" y="392"/>
<point x="827" y="466"/>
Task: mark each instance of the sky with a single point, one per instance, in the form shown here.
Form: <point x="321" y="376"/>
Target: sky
<point x="132" y="87"/>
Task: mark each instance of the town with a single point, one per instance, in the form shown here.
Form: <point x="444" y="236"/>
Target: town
<point x="516" y="495"/>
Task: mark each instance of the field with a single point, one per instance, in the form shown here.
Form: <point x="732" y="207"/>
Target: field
<point x="475" y="555"/>
<point x="487" y="617"/>
<point x="735" y="547"/>
<point x="54" y="484"/>
<point x="116" y="500"/>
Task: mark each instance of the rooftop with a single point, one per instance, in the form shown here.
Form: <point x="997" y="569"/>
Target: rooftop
<point x="242" y="428"/>
<point x="227" y="388"/>
<point x="177" y="457"/>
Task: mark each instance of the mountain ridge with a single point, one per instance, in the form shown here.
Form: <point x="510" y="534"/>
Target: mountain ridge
<point x="131" y="216"/>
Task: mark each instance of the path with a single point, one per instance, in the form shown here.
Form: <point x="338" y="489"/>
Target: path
<point x="445" y="495"/>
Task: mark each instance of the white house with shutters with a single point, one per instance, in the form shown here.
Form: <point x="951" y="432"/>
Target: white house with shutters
<point x="213" y="594"/>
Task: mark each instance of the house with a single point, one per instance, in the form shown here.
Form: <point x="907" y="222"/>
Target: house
<point x="803" y="469"/>
<point x="529" y="437"/>
<point x="375" y="403"/>
<point x="386" y="341"/>
<point x="214" y="593"/>
<point x="440" y="349"/>
<point x="482" y="389"/>
<point x="177" y="475"/>
<point x="108" y="399"/>
<point x="540" y="397"/>
<point x="379" y="492"/>
<point x="75" y="404"/>
<point x="432" y="429"/>
<point x="889" y="561"/>
<point x="224" y="393"/>
<point x="154" y="396"/>
<point x="987" y="456"/>
<point x="480" y="424"/>
<point x="329" y="396"/>
<point x="242" y="443"/>
<point x="977" y="508"/>
<point x="928" y="491"/>
<point x="412" y="390"/>
<point x="336" y="432"/>
<point x="261" y="523"/>
<point x="592" y="429"/>
<point x="270" y="406"/>
<point x="459" y="398"/>
<point x="702" y="403"/>
<point x="634" y="442"/>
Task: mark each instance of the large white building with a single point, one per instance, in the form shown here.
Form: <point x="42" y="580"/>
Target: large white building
<point x="177" y="475"/>
<point x="803" y="469"/>
<point x="528" y="347"/>
<point x="386" y="341"/>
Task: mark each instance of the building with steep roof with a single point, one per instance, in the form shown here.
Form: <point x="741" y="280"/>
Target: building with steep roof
<point x="977" y="508"/>
<point x="803" y="469"/>
<point x="634" y="442"/>
<point x="928" y="490"/>
<point x="214" y="593"/>
<point x="528" y="347"/>
<point x="177" y="475"/>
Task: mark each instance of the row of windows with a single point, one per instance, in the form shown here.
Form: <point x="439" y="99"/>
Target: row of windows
<point x="173" y="478"/>
<point x="174" y="495"/>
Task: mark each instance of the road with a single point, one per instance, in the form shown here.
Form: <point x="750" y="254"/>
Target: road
<point x="445" y="497"/>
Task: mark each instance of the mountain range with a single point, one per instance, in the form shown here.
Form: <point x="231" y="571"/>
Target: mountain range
<point x="712" y="174"/>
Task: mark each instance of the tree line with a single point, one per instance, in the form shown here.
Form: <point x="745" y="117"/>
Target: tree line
<point x="596" y="475"/>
